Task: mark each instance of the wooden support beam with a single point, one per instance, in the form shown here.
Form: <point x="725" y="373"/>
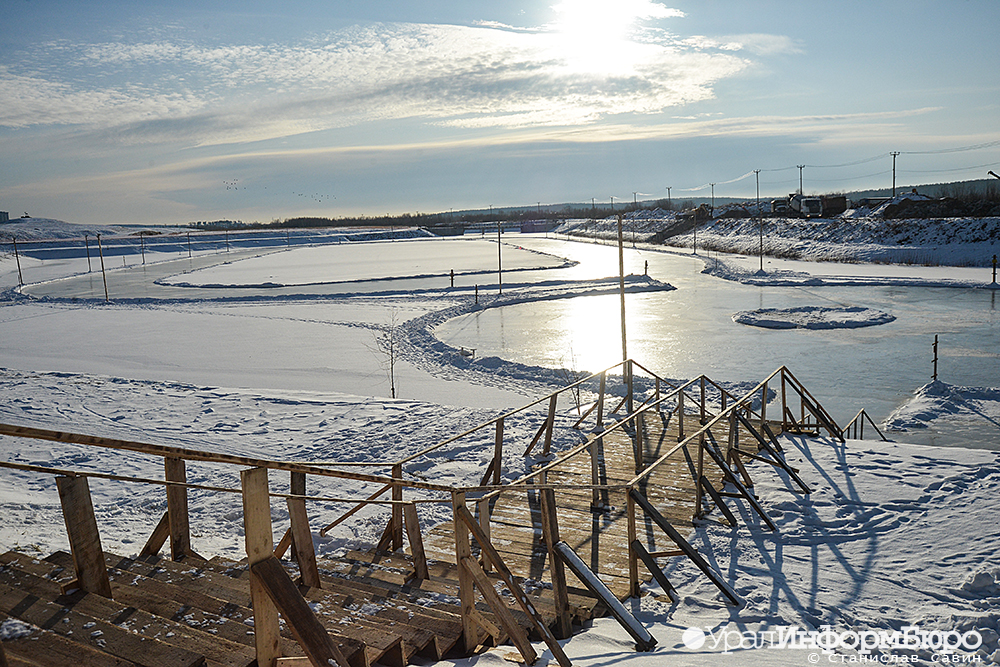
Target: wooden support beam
<point x="537" y="437"/>
<point x="743" y="491"/>
<point x="600" y="401"/>
<point x="644" y="641"/>
<point x="84" y="538"/>
<point x="778" y="460"/>
<point x="310" y="634"/>
<point x="500" y="609"/>
<point x="177" y="508"/>
<point x="302" y="541"/>
<point x="684" y="545"/>
<point x="353" y="510"/>
<point x="717" y="499"/>
<point x="498" y="452"/>
<point x="385" y="543"/>
<point x="550" y="533"/>
<point x="397" y="509"/>
<point x="551" y="421"/>
<point x="284" y="544"/>
<point x="466" y="582"/>
<point x="158" y="537"/>
<point x="633" y="563"/>
<point x="483" y="508"/>
<point x="654" y="569"/>
<point x="462" y="514"/>
<point x="260" y="547"/>
<point x="680" y="416"/>
<point x="416" y="541"/>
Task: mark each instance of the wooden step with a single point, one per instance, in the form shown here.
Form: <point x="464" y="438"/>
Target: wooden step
<point x="94" y="633"/>
<point x="44" y="648"/>
<point x="217" y="650"/>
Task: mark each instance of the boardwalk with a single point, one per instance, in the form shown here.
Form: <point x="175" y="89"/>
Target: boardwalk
<point x="599" y="534"/>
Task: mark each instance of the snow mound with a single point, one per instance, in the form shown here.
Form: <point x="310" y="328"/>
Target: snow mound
<point x="938" y="399"/>
<point x="813" y="317"/>
<point x="38" y="229"/>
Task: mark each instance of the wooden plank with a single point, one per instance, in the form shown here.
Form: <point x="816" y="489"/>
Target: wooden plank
<point x="158" y="538"/>
<point x="466" y="583"/>
<point x="177" y="508"/>
<point x="94" y="633"/>
<point x="551" y="421"/>
<point x="416" y="540"/>
<point x="48" y="648"/>
<point x="550" y="533"/>
<point x="352" y="511"/>
<point x="689" y="551"/>
<point x="302" y="542"/>
<point x="719" y="503"/>
<point x="220" y="651"/>
<point x="513" y="630"/>
<point x="654" y="569"/>
<point x="84" y="538"/>
<point x="498" y="452"/>
<point x="308" y="631"/>
<point x="259" y="547"/>
<point x="464" y="516"/>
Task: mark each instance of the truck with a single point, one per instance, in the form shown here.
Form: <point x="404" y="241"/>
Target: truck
<point x="817" y="206"/>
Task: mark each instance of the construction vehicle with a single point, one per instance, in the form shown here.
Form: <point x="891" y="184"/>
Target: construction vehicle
<point x="821" y="206"/>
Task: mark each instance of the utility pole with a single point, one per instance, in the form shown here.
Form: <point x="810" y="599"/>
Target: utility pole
<point x="801" y="167"/>
<point x="612" y="204"/>
<point x="670" y="205"/>
<point x="760" y="219"/>
<point x="713" y="200"/>
<point x="894" y="154"/>
<point x="626" y="367"/>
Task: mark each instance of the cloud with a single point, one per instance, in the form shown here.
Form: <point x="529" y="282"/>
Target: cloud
<point x="483" y="76"/>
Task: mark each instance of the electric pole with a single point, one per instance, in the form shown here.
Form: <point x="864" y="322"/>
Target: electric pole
<point x="760" y="219"/>
<point x="894" y="154"/>
<point x="801" y="167"/>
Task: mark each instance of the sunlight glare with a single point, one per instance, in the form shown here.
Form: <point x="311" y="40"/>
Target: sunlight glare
<point x="594" y="36"/>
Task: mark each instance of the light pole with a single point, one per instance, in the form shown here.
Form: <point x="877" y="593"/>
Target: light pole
<point x="894" y="154"/>
<point x="801" y="167"/>
<point x="713" y="200"/>
<point x="670" y="205"/>
<point x="760" y="220"/>
<point x="612" y="204"/>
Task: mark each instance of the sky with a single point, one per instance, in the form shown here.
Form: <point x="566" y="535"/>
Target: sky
<point x="173" y="111"/>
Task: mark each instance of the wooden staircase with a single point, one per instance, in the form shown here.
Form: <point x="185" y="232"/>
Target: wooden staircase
<point x="191" y="613"/>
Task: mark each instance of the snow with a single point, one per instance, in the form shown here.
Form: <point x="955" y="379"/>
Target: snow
<point x="893" y="535"/>
<point x="813" y="317"/>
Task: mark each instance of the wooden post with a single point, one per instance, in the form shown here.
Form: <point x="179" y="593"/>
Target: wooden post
<point x="550" y="533"/>
<point x="680" y="416"/>
<point x="3" y="657"/>
<point x="701" y="414"/>
<point x="416" y="541"/>
<point x="466" y="584"/>
<point x="397" y="508"/>
<point x="84" y="538"/>
<point x="550" y="424"/>
<point x="784" y="403"/>
<point x="498" y="452"/>
<point x="629" y="385"/>
<point x="763" y="406"/>
<point x="701" y="472"/>
<point x="177" y="508"/>
<point x="596" y="446"/>
<point x="639" y="445"/>
<point x="260" y="547"/>
<point x="633" y="557"/>
<point x="302" y="542"/>
<point x="484" y="523"/>
<point x="657" y="397"/>
<point x="600" y="401"/>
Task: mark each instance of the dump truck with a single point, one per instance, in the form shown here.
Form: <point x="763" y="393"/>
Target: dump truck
<point x="816" y="206"/>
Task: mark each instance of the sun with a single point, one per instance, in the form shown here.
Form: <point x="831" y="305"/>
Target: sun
<point x="596" y="36"/>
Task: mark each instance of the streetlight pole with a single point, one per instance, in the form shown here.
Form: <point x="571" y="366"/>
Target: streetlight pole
<point x="713" y="200"/>
<point x="801" y="167"/>
<point x="894" y="154"/>
<point x="760" y="219"/>
<point x="670" y="205"/>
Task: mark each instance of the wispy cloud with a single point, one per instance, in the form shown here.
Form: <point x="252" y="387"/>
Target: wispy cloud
<point x="483" y="76"/>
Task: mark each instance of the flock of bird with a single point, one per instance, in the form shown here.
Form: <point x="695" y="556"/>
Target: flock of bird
<point x="316" y="197"/>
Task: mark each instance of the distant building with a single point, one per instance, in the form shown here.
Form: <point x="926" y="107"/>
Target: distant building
<point x="4" y="217"/>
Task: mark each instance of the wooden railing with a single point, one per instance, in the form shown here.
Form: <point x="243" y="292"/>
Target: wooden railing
<point x="856" y="427"/>
<point x="699" y="405"/>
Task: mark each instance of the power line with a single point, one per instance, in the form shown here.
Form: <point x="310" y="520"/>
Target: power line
<point x="961" y="149"/>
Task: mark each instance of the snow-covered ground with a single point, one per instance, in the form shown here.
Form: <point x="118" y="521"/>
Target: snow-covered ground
<point x="893" y="536"/>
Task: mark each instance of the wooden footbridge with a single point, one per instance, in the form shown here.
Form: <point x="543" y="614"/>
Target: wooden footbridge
<point x="652" y="457"/>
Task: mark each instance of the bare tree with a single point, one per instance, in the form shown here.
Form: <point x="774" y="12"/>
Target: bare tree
<point x="385" y="345"/>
